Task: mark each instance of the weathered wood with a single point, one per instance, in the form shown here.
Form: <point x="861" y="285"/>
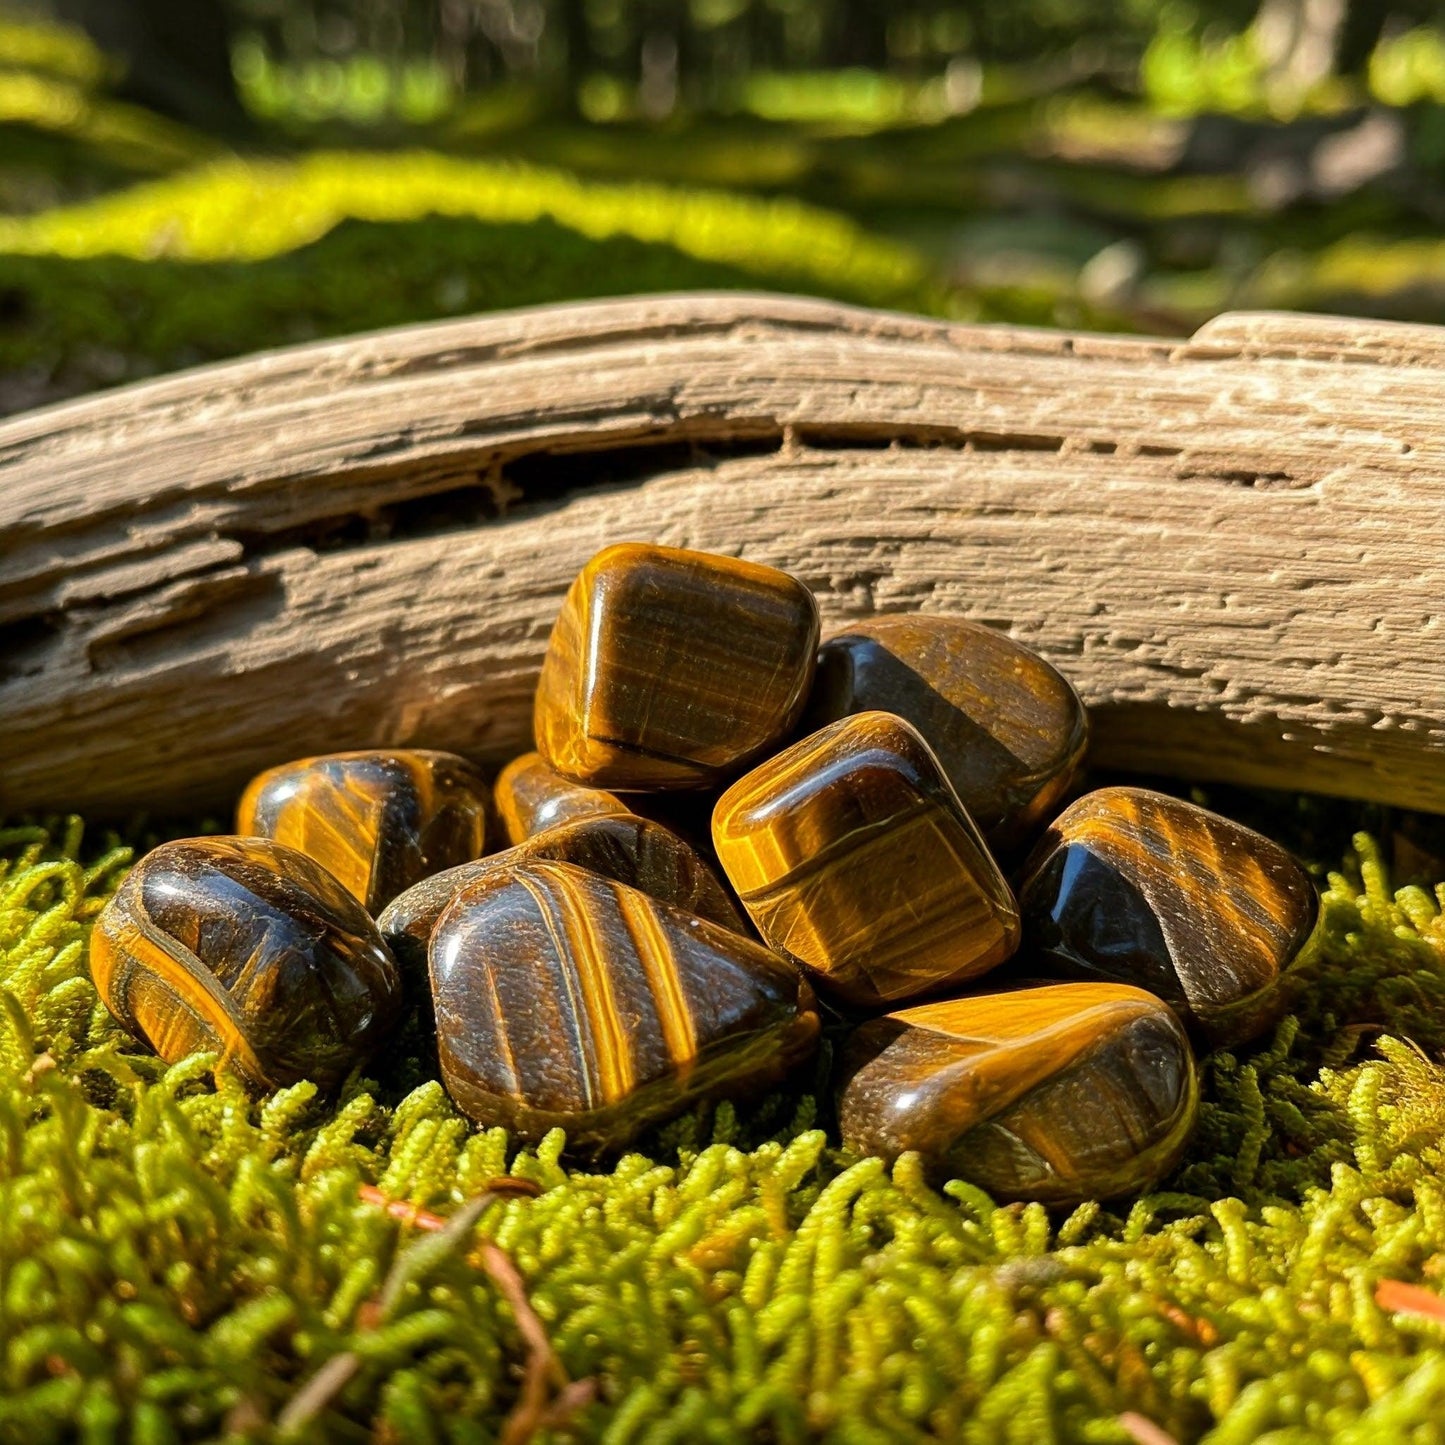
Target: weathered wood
<point x="1230" y="544"/>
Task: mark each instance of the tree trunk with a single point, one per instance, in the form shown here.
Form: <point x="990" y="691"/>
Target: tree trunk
<point x="177" y="56"/>
<point x="577" y="37"/>
<point x="860" y="33"/>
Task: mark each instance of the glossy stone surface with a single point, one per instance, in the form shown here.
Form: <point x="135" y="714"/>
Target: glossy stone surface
<point x="530" y="797"/>
<point x="566" y="999"/>
<point x="852" y="854"/>
<point x="251" y="949"/>
<point x="635" y="851"/>
<point x="378" y="820"/>
<point x="1062" y="1093"/>
<point x="1008" y="728"/>
<point x="1137" y="887"/>
<point x="672" y="669"/>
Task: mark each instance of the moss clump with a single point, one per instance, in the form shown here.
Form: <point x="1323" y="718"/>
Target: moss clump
<point x="178" y="1262"/>
<point x="71" y="326"/>
<point x="235" y="257"/>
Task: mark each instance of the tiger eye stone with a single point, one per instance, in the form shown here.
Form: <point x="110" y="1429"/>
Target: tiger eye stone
<point x="634" y="851"/>
<point x="671" y="669"/>
<point x="1063" y="1093"/>
<point x="1137" y="887"/>
<point x="248" y="948"/>
<point x="530" y="797"/>
<point x="852" y="854"/>
<point x="1008" y="729"/>
<point x="378" y="820"/>
<point x="564" y="999"/>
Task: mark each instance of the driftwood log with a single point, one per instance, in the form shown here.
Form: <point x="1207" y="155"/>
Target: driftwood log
<point x="1231" y="544"/>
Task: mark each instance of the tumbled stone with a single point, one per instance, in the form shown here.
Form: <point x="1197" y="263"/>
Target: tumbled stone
<point x="250" y="949"/>
<point x="1137" y="887"/>
<point x="1062" y="1093"/>
<point x="564" y="999"/>
<point x="630" y="850"/>
<point x="378" y="820"/>
<point x="852" y="854"/>
<point x="671" y="669"/>
<point x="530" y="797"/>
<point x="1008" y="728"/>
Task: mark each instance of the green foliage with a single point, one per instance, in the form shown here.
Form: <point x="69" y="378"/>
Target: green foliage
<point x="177" y="1261"/>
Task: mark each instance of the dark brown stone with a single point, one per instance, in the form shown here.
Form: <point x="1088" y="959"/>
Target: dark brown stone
<point x="566" y="1000"/>
<point x="1138" y="887"/>
<point x="1061" y="1093"/>
<point x="250" y="949"/>
<point x="1007" y="727"/>
<point x="378" y="820"/>
<point x="634" y="851"/>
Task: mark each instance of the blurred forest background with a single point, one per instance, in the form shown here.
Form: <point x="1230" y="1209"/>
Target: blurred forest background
<point x="182" y="180"/>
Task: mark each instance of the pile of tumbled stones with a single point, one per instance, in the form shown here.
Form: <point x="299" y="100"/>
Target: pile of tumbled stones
<point x="864" y="801"/>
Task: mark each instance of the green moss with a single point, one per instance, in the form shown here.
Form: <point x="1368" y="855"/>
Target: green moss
<point x="247" y="211"/>
<point x="235" y="258"/>
<point x="88" y="323"/>
<point x="177" y="1261"/>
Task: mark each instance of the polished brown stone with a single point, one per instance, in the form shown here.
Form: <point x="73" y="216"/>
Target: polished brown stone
<point x="250" y="949"/>
<point x="1008" y="729"/>
<point x="852" y="854"/>
<point x="671" y="669"/>
<point x="530" y="797"/>
<point x="564" y="999"/>
<point x="630" y="850"/>
<point x="378" y="820"/>
<point x="1137" y="887"/>
<point x="1062" y="1093"/>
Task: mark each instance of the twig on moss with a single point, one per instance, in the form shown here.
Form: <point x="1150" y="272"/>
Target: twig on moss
<point x="1144" y="1431"/>
<point x="333" y="1377"/>
<point x="532" y="1411"/>
<point x="1409" y="1299"/>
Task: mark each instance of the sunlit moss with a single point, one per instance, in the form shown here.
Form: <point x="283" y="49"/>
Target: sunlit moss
<point x="50" y="49"/>
<point x="245" y="211"/>
<point x="177" y="1260"/>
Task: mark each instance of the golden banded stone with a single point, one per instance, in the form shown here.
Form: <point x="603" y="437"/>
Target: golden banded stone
<point x="1061" y="1093"/>
<point x="564" y="999"/>
<point x="634" y="851"/>
<point x="530" y="797"/>
<point x="672" y="669"/>
<point x="1008" y="729"/>
<point x="851" y="854"/>
<point x="250" y="949"/>
<point x="1138" y="887"/>
<point x="379" y="820"/>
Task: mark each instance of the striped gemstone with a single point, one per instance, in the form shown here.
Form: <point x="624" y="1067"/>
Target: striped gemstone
<point x="249" y="949"/>
<point x="1137" y="887"/>
<point x="377" y="820"/>
<point x="671" y="669"/>
<point x="564" y="999"/>
<point x="1061" y="1093"/>
<point x="634" y="851"/>
<point x="852" y="854"/>
<point x="1007" y="728"/>
<point x="531" y="797"/>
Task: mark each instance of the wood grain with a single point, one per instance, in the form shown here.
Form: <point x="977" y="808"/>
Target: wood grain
<point x="1229" y="545"/>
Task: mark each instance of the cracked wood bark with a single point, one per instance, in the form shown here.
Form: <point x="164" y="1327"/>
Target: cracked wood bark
<point x="1230" y="544"/>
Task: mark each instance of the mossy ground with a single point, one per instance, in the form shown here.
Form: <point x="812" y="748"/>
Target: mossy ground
<point x="177" y="1261"/>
